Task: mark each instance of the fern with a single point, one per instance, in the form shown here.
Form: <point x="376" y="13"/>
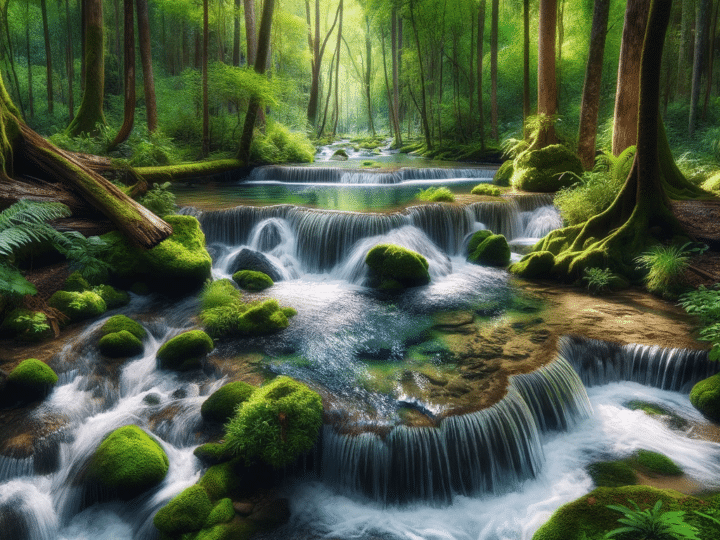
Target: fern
<point x="24" y="223"/>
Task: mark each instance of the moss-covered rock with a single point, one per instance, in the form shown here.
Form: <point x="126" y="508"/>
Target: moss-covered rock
<point x="186" y="512"/>
<point x="486" y="189"/>
<point x="705" y="397"/>
<point x="78" y="305"/>
<point x="503" y="174"/>
<point x="219" y="293"/>
<point x="340" y="155"/>
<point x="252" y="281"/>
<point x="175" y="266"/>
<point x="392" y="265"/>
<point x="221" y="405"/>
<point x="712" y="183"/>
<point x="535" y="264"/>
<point x="128" y="462"/>
<point x="26" y="325"/>
<point x="117" y="323"/>
<point x="31" y="380"/>
<point x="221" y="480"/>
<point x="253" y="319"/>
<point x="477" y="239"/>
<point x="185" y="351"/>
<point x="657" y="463"/>
<point x="238" y="529"/>
<point x="612" y="474"/>
<point x="542" y="170"/>
<point x="493" y="250"/>
<point x="279" y="422"/>
<point x="113" y="298"/>
<point x="213" y="453"/>
<point x="76" y="283"/>
<point x="222" y="512"/>
<point x="120" y="344"/>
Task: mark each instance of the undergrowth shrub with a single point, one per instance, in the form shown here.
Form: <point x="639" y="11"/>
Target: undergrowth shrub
<point x="280" y="145"/>
<point x="705" y="303"/>
<point x="666" y="266"/>
<point x="159" y="200"/>
<point x="597" y="280"/>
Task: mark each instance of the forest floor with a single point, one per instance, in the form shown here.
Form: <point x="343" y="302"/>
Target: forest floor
<point x="701" y="220"/>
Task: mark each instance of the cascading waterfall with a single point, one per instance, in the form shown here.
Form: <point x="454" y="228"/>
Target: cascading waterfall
<point x="339" y="175"/>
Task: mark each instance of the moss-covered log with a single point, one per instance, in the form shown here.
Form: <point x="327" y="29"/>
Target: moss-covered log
<point x="186" y="171"/>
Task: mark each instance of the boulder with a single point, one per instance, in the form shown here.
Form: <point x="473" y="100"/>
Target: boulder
<point x="185" y="351"/>
<point x="493" y="250"/>
<point x="396" y="267"/>
<point x="249" y="259"/>
<point x="250" y="280"/>
<point x="705" y="397"/>
<point x="120" y="344"/>
<point x="504" y="174"/>
<point x="222" y="403"/>
<point x="78" y="305"/>
<point x="31" y="380"/>
<point x="117" y="323"/>
<point x="543" y="170"/>
<point x="186" y="512"/>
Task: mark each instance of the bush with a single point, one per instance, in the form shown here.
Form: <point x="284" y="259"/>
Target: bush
<point x="279" y="422"/>
<point x="486" y="189"/>
<point x="252" y="281"/>
<point x="279" y="145"/>
<point x="436" y="194"/>
<point x="395" y="267"/>
<point x="221" y="405"/>
<point x="31" y="380"/>
<point x="185" y="351"/>
<point x="120" y="344"/>
<point x="666" y="266"/>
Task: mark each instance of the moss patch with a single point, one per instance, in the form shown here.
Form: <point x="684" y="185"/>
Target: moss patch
<point x="78" y="305"/>
<point x="252" y="281"/>
<point x="117" y="323"/>
<point x="221" y="405"/>
<point x="31" y="380"/>
<point x="26" y="325"/>
<point x="128" y="462"/>
<point x="393" y="267"/>
<point x="238" y="319"/>
<point x="120" y="344"/>
<point x="112" y="297"/>
<point x="705" y="397"/>
<point x="76" y="283"/>
<point x="186" y="512"/>
<point x="504" y="174"/>
<point x="612" y="474"/>
<point x="486" y="189"/>
<point x="493" y="250"/>
<point x="185" y="351"/>
<point x="221" y="480"/>
<point x="212" y="453"/>
<point x="221" y="513"/>
<point x="657" y="463"/>
<point x="543" y="170"/>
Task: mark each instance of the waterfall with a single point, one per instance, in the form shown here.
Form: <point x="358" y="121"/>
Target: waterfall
<point x="601" y="362"/>
<point x="430" y="173"/>
<point x="339" y="175"/>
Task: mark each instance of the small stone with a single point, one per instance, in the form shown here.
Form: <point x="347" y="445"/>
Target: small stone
<point x="243" y="508"/>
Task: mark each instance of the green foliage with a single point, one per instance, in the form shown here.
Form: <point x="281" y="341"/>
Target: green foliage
<point x="280" y="421"/>
<point x="118" y="323"/>
<point x="185" y="351"/>
<point x="657" y="463"/>
<point x="712" y="183"/>
<point x="612" y="474"/>
<point x="652" y="523"/>
<point x="436" y="194"/>
<point x="251" y="280"/>
<point x="26" y="325"/>
<point x="76" y="283"/>
<point x="395" y="267"/>
<point x="705" y="303"/>
<point x="86" y="255"/>
<point x="252" y="319"/>
<point x="221" y="405"/>
<point x="159" y="200"/>
<point x="486" y="189"/>
<point x="186" y="512"/>
<point x="212" y="454"/>
<point x="504" y="174"/>
<point x="279" y="145"/>
<point x="666" y="266"/>
<point x="597" y="280"/>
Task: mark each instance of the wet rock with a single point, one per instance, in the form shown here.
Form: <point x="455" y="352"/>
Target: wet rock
<point x="455" y="321"/>
<point x="272" y="513"/>
<point x="539" y="336"/>
<point x="249" y="259"/>
<point x="13" y="522"/>
<point x="243" y="508"/>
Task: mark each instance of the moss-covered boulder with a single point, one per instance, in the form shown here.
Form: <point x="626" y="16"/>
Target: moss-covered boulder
<point x="175" y="266"/>
<point x="213" y="453"/>
<point x="117" y="323"/>
<point x="543" y="170"/>
<point x="612" y="474"/>
<point x="31" y="380"/>
<point x="486" y="190"/>
<point x="535" y="264"/>
<point x="253" y="319"/>
<point x="493" y="250"/>
<point x="221" y="404"/>
<point x="113" y="297"/>
<point x="250" y="280"/>
<point x="396" y="267"/>
<point x="78" y="305"/>
<point x="222" y="512"/>
<point x="186" y="512"/>
<point x="279" y="422"/>
<point x="26" y="325"/>
<point x="504" y="174"/>
<point x="221" y="480"/>
<point x="128" y="462"/>
<point x="120" y="344"/>
<point x="185" y="351"/>
<point x="340" y="155"/>
<point x="657" y="463"/>
<point x="705" y="397"/>
<point x="76" y="283"/>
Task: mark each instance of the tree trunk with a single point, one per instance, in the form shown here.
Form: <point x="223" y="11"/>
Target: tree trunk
<point x="250" y="31"/>
<point x="48" y="56"/>
<point x="684" y="47"/>
<point x="9" y="55"/>
<point x="205" y="104"/>
<point x="526" y="65"/>
<point x="703" y="12"/>
<point x="146" y="60"/>
<point x="368" y="73"/>
<point x="31" y="108"/>
<point x="254" y="105"/>
<point x="236" y="35"/>
<point x="494" y="16"/>
<point x="547" y="84"/>
<point x="711" y="52"/>
<point x="628" y="87"/>
<point x="590" y="105"/>
<point x="90" y="112"/>
<point x="560" y="39"/>
<point x="395" y="78"/>
<point x="423" y="107"/>
<point x="336" y="113"/>
<point x="129" y="73"/>
<point x="480" y="43"/>
<point x="70" y="63"/>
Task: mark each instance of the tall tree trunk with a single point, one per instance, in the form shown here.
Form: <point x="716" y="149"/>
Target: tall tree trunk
<point x="317" y="52"/>
<point x="250" y="31"/>
<point x="254" y="105"/>
<point x="338" y="49"/>
<point x="711" y="60"/>
<point x="70" y="63"/>
<point x="560" y="39"/>
<point x="146" y="60"/>
<point x="684" y="46"/>
<point x="368" y="73"/>
<point x="48" y="57"/>
<point x="236" y="34"/>
<point x="703" y="12"/>
<point x="423" y="97"/>
<point x="480" y="40"/>
<point x="31" y="108"/>
<point x="90" y="112"/>
<point x="205" y="104"/>
<point x="628" y="87"/>
<point x="526" y="65"/>
<point x="129" y="72"/>
<point x="494" y="16"/>
<point x="394" y="51"/>
<point x="547" y="85"/>
<point x="590" y="105"/>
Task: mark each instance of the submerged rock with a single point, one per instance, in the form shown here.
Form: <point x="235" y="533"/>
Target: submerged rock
<point x="249" y="259"/>
<point x="395" y="267"/>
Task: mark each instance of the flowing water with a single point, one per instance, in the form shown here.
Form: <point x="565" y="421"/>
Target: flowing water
<point x="491" y="474"/>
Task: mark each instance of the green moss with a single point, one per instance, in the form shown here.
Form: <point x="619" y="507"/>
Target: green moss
<point x="280" y="421"/>
<point x="78" y="305"/>
<point x="477" y="239"/>
<point x="252" y="281"/>
<point x="128" y="462"/>
<point x="218" y="293"/>
<point x="186" y="512"/>
<point x="389" y="262"/>
<point x="486" y="189"/>
<point x="542" y="170"/>
<point x="76" y="283"/>
<point x="113" y="298"/>
<point x="117" y="323"/>
<point x="533" y="265"/>
<point x="235" y="530"/>
<point x="340" y="154"/>
<point x="705" y="397"/>
<point x="612" y="474"/>
<point x="185" y="171"/>
<point x="26" y="325"/>
<point x="221" y="480"/>
<point x="120" y="344"/>
<point x="493" y="251"/>
<point x="221" y="513"/>
<point x="239" y="319"/>
<point x="436" y="194"/>
<point x="31" y="380"/>
<point x="212" y="453"/>
<point x="503" y="174"/>
<point x="185" y="351"/>
<point x="712" y="183"/>
<point x="657" y="463"/>
<point x="221" y="405"/>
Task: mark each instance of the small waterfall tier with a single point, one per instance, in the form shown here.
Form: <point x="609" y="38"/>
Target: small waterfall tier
<point x="339" y="175"/>
<point x="489" y="451"/>
<point x="600" y="362"/>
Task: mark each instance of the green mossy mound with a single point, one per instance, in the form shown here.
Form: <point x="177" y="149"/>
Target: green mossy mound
<point x="253" y="281"/>
<point x="186" y="512"/>
<point x="219" y="293"/>
<point x="589" y="517"/>
<point x="493" y="250"/>
<point x="213" y="453"/>
<point x="221" y="513"/>
<point x="113" y="298"/>
<point x="221" y="480"/>
<point x="279" y="422"/>
<point x="185" y="351"/>
<point x="31" y="380"/>
<point x="340" y="155"/>
<point x="542" y="170"/>
<point x="705" y="397"/>
<point x="393" y="267"/>
<point x="76" y="283"/>
<point x="253" y="319"/>
<point x="120" y="344"/>
<point x="78" y="305"/>
<point x="221" y="405"/>
<point x="128" y="462"/>
<point x="612" y="474"/>
<point x="504" y="174"/>
<point x="486" y="189"/>
<point x="175" y="266"/>
<point x="533" y="265"/>
<point x="712" y="183"/>
<point x="477" y="239"/>
<point x="117" y="323"/>
<point x="657" y="463"/>
<point x="26" y="325"/>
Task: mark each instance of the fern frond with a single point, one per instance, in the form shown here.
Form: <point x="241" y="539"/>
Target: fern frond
<point x="26" y="212"/>
<point x="16" y="237"/>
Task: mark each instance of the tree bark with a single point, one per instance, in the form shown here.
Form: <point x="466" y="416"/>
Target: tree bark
<point x="146" y="61"/>
<point x="590" y="104"/>
<point x="684" y="47"/>
<point x="423" y="97"/>
<point x="526" y="65"/>
<point x="31" y="107"/>
<point x="703" y="12"/>
<point x="205" y="104"/>
<point x="48" y="56"/>
<point x="547" y="84"/>
<point x="711" y="52"/>
<point x="70" y="63"/>
<point x="494" y="16"/>
<point x="236" y="34"/>
<point x="480" y="43"/>
<point x="628" y="87"/>
<point x="129" y="74"/>
<point x="250" y="31"/>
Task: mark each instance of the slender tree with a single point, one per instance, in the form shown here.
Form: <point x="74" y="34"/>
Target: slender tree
<point x="526" y="65"/>
<point x="129" y="74"/>
<point x="48" y="56"/>
<point x="205" y="101"/>
<point x="70" y="62"/>
<point x="701" y="28"/>
<point x="147" y="67"/>
<point x="251" y="36"/>
<point x="547" y="85"/>
<point x="394" y="52"/>
<point x="31" y="108"/>
<point x="479" y="56"/>
<point x="236" y="34"/>
<point x="494" y="16"/>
